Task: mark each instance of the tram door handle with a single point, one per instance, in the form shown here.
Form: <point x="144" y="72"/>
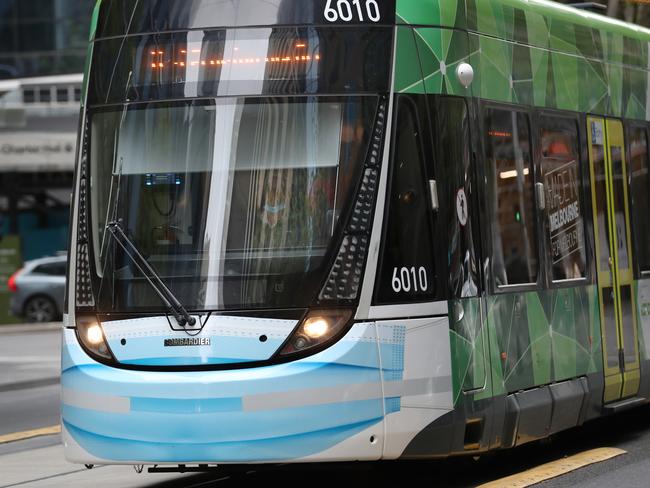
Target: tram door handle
<point x="433" y="192"/>
<point x="540" y="196"/>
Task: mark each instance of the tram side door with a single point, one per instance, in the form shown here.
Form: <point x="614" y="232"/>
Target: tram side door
<point x="609" y="192"/>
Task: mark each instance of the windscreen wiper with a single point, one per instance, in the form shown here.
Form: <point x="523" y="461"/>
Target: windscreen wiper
<point x="177" y="309"/>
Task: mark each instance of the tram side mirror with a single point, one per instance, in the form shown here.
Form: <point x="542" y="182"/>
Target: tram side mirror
<point x="433" y="191"/>
<point x="540" y="196"/>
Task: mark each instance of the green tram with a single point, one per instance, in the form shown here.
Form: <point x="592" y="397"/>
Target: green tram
<point x="331" y="230"/>
<point x="549" y="143"/>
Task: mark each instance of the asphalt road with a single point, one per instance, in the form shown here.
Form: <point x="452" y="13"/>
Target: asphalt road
<point x="29" y="399"/>
<point x="29" y="379"/>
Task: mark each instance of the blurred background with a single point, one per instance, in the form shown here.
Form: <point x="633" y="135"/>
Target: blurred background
<point x="42" y="55"/>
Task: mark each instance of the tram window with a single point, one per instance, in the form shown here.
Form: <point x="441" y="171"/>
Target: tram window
<point x="62" y="95"/>
<point x="454" y="165"/>
<point x="45" y="95"/>
<point x="235" y="203"/>
<point x="512" y="212"/>
<point x="563" y="215"/>
<point x="406" y="272"/>
<point x="29" y="95"/>
<point x="641" y="195"/>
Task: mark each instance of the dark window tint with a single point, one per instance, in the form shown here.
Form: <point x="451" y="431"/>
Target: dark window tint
<point x="62" y="95"/>
<point x="29" y="96"/>
<point x="43" y="37"/>
<point x="37" y="36"/>
<point x="7" y="34"/>
<point x="230" y="62"/>
<point x="602" y="217"/>
<point x="163" y="15"/>
<point x="406" y="272"/>
<point x="620" y="210"/>
<point x="7" y="9"/>
<point x="641" y="195"/>
<point x="563" y="216"/>
<point x="455" y="187"/>
<point x="511" y="194"/>
<point x="36" y="9"/>
<point x="45" y="95"/>
<point x="52" y="269"/>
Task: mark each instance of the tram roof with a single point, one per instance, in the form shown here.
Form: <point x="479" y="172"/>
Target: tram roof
<point x="539" y="23"/>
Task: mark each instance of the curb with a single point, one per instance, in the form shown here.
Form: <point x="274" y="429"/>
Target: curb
<point x="30" y="328"/>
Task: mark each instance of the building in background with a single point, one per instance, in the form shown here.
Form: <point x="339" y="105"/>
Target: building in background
<point x="42" y="54"/>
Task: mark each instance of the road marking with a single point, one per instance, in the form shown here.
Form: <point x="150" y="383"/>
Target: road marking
<point x="29" y="359"/>
<point x="28" y="434"/>
<point x="555" y="468"/>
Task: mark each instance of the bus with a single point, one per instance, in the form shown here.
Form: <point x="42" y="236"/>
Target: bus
<point x="333" y="230"/>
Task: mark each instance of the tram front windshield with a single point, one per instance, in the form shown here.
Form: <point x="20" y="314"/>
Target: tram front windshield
<point x="235" y="201"/>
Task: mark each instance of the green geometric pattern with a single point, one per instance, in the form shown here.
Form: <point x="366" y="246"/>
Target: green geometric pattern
<point x="544" y="337"/>
<point x="535" y="338"/>
<point x="531" y="53"/>
<point x="469" y="346"/>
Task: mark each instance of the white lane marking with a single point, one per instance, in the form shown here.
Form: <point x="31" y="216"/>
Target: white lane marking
<point x="29" y="359"/>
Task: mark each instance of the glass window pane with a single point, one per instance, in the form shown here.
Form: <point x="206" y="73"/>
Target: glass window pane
<point x="36" y="9"/>
<point x="73" y="9"/>
<point x="71" y="34"/>
<point x="234" y="202"/>
<point x="50" y="269"/>
<point x="223" y="62"/>
<point x="641" y="195"/>
<point x="38" y="36"/>
<point x="455" y="191"/>
<point x="45" y="95"/>
<point x="619" y="183"/>
<point x="7" y="9"/>
<point x="563" y="216"/>
<point x="62" y="94"/>
<point x="407" y="273"/>
<point x="7" y="35"/>
<point x="29" y="96"/>
<point x="510" y="174"/>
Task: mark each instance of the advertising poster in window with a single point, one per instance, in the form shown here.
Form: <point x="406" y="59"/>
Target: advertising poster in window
<point x="565" y="226"/>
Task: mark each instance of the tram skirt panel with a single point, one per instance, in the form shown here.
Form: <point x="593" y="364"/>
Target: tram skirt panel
<point x="421" y="392"/>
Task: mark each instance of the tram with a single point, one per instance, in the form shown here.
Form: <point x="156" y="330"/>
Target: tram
<point x="329" y="230"/>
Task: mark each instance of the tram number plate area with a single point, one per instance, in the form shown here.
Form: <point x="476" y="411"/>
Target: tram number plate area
<point x="358" y="11"/>
<point x="410" y="280"/>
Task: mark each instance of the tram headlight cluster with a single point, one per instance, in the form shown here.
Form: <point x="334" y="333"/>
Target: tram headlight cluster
<point x="91" y="336"/>
<point x="318" y="328"/>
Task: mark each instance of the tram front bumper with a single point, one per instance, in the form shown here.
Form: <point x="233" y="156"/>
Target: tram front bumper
<point x="320" y="408"/>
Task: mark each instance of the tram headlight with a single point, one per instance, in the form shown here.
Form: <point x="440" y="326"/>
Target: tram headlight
<point x="91" y="336"/>
<point x="318" y="328"/>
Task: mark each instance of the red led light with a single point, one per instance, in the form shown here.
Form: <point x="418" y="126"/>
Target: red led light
<point x="497" y="133"/>
<point x="159" y="61"/>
